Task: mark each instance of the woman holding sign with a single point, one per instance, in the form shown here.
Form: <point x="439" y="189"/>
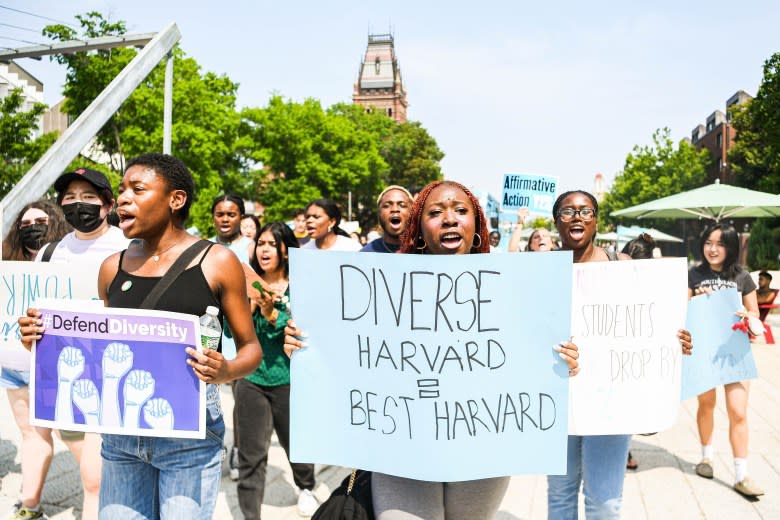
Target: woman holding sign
<point x="446" y="219"/>
<point x="719" y="270"/>
<point x="163" y="477"/>
<point x="597" y="460"/>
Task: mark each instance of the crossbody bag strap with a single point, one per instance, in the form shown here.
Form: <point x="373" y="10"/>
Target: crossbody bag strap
<point x="173" y="272"/>
<point x="50" y="247"/>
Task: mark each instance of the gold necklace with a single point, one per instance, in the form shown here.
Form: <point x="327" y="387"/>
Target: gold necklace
<point x="156" y="256"/>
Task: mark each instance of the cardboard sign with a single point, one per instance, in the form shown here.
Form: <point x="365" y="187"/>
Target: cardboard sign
<point x="720" y="354"/>
<point x="625" y="318"/>
<point x="121" y="371"/>
<point x="535" y="192"/>
<point x="431" y="367"/>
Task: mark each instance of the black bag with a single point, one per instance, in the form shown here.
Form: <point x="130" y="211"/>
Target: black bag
<point x="350" y="501"/>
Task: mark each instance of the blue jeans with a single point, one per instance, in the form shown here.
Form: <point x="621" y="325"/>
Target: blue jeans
<point x="600" y="462"/>
<point x="154" y="478"/>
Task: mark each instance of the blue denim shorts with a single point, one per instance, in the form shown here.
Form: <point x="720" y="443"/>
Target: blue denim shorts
<point x="11" y="379"/>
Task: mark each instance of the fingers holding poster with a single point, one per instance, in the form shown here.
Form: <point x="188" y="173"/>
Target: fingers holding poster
<point x="438" y="368"/>
<point x="117" y="371"/>
<point x="629" y="351"/>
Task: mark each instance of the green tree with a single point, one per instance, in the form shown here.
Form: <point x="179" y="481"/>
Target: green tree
<point x="755" y="156"/>
<point x="655" y="171"/>
<point x="762" y="251"/>
<point x="205" y="120"/>
<point x="18" y="149"/>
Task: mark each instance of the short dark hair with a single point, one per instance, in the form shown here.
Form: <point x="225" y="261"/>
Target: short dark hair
<point x="282" y="235"/>
<point x="640" y="248"/>
<point x="173" y="171"/>
<point x="766" y="275"/>
<point x="298" y="212"/>
<point x="565" y="194"/>
<point x="229" y="197"/>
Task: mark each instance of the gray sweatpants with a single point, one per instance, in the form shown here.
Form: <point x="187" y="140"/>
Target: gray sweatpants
<point x="397" y="498"/>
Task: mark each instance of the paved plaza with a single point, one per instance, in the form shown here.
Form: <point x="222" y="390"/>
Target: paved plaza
<point x="664" y="486"/>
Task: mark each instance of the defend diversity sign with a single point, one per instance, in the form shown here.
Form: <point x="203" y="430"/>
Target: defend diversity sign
<point x="535" y="192"/>
<point x="625" y="317"/>
<point x="22" y="284"/>
<point x="118" y="371"/>
<point x="720" y="354"/>
<point x="431" y="367"/>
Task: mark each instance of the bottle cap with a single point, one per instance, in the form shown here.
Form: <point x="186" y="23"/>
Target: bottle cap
<point x="212" y="311"/>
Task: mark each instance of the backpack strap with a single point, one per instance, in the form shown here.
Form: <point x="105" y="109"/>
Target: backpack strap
<point x="50" y="247"/>
<point x="612" y="255"/>
<point x="173" y="272"/>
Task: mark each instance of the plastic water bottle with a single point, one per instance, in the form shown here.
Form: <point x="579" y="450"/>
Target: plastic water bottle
<point x="210" y="329"/>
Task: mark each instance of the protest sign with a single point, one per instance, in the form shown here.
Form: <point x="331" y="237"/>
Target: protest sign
<point x="625" y="317"/>
<point x="431" y="367"/>
<point x="120" y="371"/>
<point x="535" y="192"/>
<point x="22" y="284"/>
<point x="720" y="354"/>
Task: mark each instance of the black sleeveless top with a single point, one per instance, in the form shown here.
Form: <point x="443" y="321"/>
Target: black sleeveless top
<point x="189" y="293"/>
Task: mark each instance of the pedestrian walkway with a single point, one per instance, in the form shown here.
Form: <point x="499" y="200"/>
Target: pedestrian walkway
<point x="664" y="487"/>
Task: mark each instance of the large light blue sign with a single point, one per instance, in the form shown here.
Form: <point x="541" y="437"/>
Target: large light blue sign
<point x="535" y="192"/>
<point x="720" y="354"/>
<point x="431" y="367"/>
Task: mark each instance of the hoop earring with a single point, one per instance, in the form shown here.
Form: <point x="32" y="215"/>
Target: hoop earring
<point x="479" y="242"/>
<point x="418" y="241"/>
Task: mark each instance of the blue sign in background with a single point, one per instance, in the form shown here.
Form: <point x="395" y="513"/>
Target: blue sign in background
<point x="415" y="368"/>
<point x="720" y="354"/>
<point x="535" y="192"/>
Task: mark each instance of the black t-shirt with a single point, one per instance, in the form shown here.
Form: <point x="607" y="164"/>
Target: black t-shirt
<point x="704" y="277"/>
<point x="380" y="246"/>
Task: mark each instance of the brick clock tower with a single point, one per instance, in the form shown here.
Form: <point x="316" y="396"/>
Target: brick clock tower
<point x="379" y="85"/>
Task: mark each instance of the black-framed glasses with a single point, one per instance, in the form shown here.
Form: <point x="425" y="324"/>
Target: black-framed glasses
<point x="28" y="223"/>
<point x="586" y="214"/>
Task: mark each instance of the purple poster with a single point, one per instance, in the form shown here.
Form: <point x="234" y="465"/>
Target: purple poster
<point x="121" y="371"/>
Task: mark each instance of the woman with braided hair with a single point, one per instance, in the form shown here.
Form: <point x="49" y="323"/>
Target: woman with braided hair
<point x="446" y="219"/>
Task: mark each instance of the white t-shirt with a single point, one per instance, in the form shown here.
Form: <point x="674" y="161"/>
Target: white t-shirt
<point x="239" y="246"/>
<point x="342" y="244"/>
<point x="72" y="249"/>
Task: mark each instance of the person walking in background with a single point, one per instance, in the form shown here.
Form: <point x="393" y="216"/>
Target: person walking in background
<point x="323" y="217"/>
<point x="250" y="226"/>
<point x="719" y="269"/>
<point x="494" y="238"/>
<point x="227" y="211"/>
<point x="446" y="219"/>
<point x="299" y="227"/>
<point x="38" y="223"/>
<point x="394" y="204"/>
<point x="540" y="239"/>
<point x="595" y="462"/>
<point x="263" y="398"/>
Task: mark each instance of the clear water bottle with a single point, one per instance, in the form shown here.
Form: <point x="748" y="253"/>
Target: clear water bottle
<point x="210" y="329"/>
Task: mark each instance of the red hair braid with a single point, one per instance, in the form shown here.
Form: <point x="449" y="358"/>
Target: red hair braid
<point x="412" y="237"/>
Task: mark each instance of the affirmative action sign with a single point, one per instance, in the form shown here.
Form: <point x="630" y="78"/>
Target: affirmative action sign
<point x="431" y="367"/>
<point x="535" y="192"/>
<point x="22" y="284"/>
<point x="625" y="317"/>
<point x="118" y="371"/>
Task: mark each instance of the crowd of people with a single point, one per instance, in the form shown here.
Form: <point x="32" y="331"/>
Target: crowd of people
<point x="244" y="271"/>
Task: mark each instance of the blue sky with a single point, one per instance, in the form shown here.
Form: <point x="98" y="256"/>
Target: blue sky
<point x="557" y="88"/>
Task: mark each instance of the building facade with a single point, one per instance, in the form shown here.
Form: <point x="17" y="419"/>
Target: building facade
<point x="717" y="136"/>
<point x="379" y="85"/>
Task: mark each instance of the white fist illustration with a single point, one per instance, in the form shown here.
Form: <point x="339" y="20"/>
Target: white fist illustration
<point x="117" y="360"/>
<point x="139" y="387"/>
<point x="70" y="364"/>
<point x="158" y="414"/>
<point x="87" y="398"/>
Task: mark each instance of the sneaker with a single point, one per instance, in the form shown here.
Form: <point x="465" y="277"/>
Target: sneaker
<point x="233" y="462"/>
<point x="307" y="503"/>
<point x="748" y="488"/>
<point x="20" y="512"/>
<point x="704" y="468"/>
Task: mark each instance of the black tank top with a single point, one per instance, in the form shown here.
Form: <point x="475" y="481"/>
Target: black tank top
<point x="189" y="293"/>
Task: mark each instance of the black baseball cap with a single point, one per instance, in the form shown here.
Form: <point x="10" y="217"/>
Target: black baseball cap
<point x="94" y="177"/>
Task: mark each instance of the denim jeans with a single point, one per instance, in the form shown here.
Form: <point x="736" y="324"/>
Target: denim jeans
<point x="600" y="462"/>
<point x="154" y="478"/>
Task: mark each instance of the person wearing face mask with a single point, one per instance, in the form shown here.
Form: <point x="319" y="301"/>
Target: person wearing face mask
<point x="38" y="223"/>
<point x="86" y="199"/>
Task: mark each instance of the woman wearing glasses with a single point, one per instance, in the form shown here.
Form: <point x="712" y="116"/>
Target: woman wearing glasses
<point x="598" y="461"/>
<point x="38" y="223"/>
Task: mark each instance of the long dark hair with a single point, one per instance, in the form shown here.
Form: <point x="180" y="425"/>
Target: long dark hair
<point x="283" y="235"/>
<point x="332" y="210"/>
<point x="730" y="239"/>
<point x="58" y="227"/>
<point x="410" y="238"/>
<point x="640" y="248"/>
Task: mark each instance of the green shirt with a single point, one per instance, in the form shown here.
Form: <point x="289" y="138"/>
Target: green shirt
<point x="274" y="370"/>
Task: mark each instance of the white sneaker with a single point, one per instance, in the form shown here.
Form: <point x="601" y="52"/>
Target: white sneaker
<point x="307" y="503"/>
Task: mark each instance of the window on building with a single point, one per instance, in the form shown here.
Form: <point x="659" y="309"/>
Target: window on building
<point x="720" y="164"/>
<point x="390" y="112"/>
<point x="377" y="64"/>
<point x="710" y="125"/>
<point x="720" y="140"/>
<point x="695" y="136"/>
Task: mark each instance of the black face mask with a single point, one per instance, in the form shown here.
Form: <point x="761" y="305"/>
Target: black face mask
<point x="34" y="236"/>
<point x="82" y="216"/>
